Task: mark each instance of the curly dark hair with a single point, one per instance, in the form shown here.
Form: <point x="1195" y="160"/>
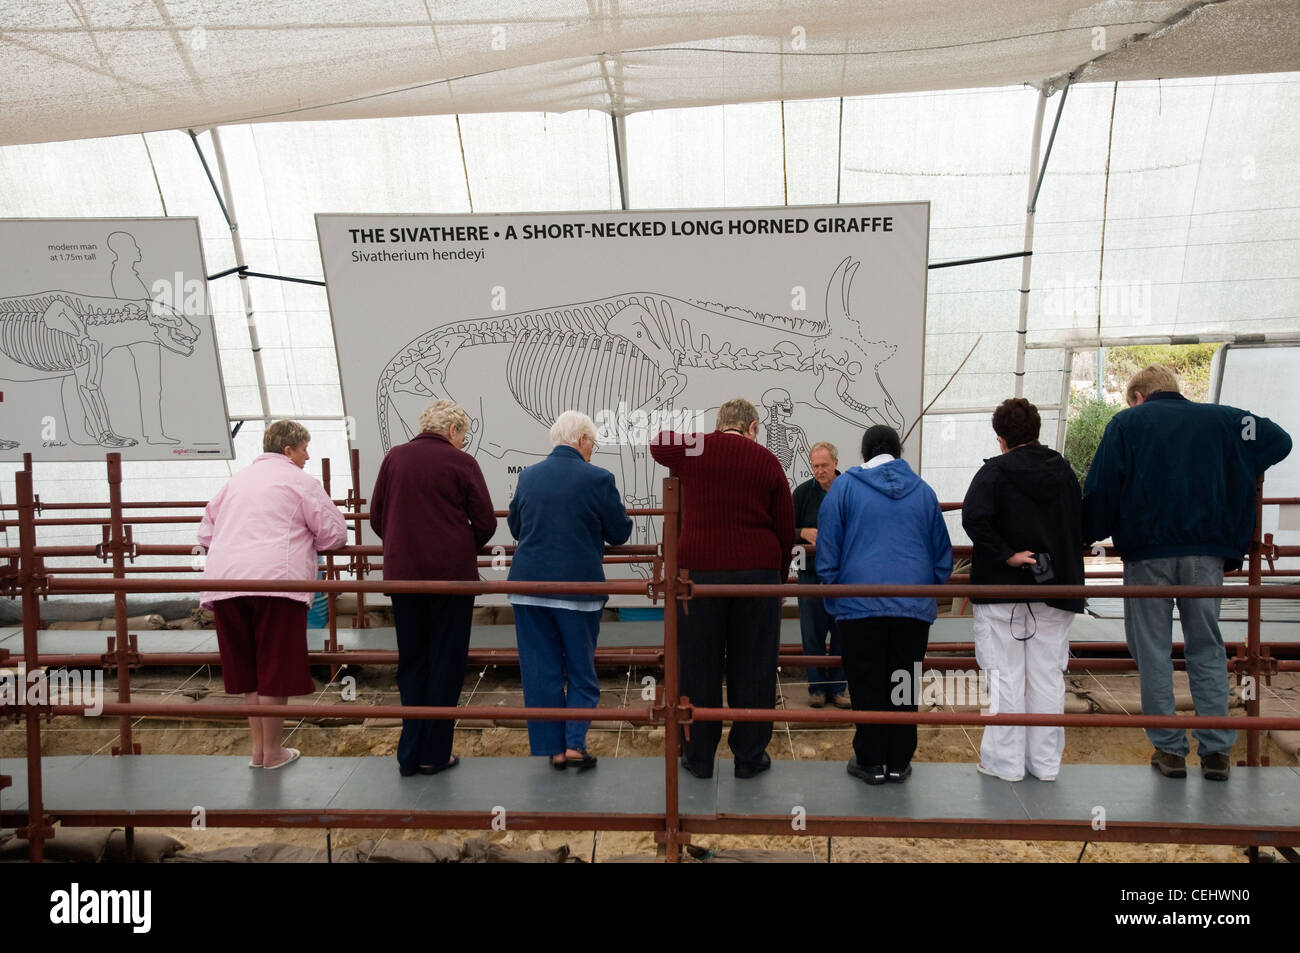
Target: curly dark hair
<point x="1017" y="422"/>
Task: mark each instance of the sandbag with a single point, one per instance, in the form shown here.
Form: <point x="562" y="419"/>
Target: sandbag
<point x="73" y="845"/>
<point x="480" y="850"/>
<point x="151" y="847"/>
<point x="406" y="852"/>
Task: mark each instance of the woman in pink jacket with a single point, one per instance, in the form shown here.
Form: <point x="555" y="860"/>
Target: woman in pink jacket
<point x="268" y="522"/>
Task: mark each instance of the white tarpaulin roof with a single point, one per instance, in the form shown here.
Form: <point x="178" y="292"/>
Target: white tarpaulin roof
<point x="90" y="68"/>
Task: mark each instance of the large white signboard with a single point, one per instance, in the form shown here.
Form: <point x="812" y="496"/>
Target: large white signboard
<point x="643" y="320"/>
<point x="106" y="342"/>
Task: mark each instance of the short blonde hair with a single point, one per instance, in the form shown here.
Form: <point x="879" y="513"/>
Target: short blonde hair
<point x="570" y="426"/>
<point x="1149" y="380"/>
<point x="736" y="414"/>
<point x="828" y="447"/>
<point x="441" y="416"/>
<point x="284" y="433"/>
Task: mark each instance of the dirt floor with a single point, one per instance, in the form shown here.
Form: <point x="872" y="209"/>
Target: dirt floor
<point x="480" y="735"/>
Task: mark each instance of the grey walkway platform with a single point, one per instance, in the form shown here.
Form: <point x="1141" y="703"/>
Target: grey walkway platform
<point x="612" y="635"/>
<point x="325" y="791"/>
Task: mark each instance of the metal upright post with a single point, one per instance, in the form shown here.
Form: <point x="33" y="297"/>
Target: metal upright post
<point x="331" y="640"/>
<point x="1253" y="667"/>
<point x="358" y="501"/>
<point x="28" y="573"/>
<point x="118" y="546"/>
<point x="672" y="742"/>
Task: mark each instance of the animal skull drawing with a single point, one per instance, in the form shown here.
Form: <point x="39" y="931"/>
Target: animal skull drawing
<point x="847" y="361"/>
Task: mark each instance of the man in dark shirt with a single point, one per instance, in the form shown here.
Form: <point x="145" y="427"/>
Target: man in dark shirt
<point x="814" y="621"/>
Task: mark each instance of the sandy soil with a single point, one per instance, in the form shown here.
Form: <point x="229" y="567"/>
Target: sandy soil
<point x="480" y="738"/>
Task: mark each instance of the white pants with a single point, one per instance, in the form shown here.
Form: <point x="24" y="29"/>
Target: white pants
<point x="1023" y="649"/>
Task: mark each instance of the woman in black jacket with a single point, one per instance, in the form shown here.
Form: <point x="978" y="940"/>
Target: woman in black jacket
<point x="1023" y="513"/>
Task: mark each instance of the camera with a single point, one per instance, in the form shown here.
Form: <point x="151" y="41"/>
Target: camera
<point x="1041" y="567"/>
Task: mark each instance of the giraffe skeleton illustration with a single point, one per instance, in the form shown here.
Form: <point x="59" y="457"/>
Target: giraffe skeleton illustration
<point x="638" y="349"/>
<point x="63" y="334"/>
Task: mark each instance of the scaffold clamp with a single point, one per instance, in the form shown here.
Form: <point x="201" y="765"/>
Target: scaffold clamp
<point x="110" y="660"/>
<point x="44" y="830"/>
<point x="9" y="578"/>
<point x="110" y="547"/>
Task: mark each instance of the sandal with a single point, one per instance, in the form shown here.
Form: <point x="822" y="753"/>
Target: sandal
<point x="583" y="763"/>
<point x="294" y="755"/>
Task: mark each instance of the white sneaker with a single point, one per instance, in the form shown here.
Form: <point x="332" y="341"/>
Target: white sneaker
<point x="1040" y="777"/>
<point x="1001" y="777"/>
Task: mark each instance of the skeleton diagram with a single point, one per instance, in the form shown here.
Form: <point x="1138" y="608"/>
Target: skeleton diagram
<point x="788" y="442"/>
<point x="66" y="335"/>
<point x="644" y="353"/>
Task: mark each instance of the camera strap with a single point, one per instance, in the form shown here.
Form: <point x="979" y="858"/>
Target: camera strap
<point x="1032" y="619"/>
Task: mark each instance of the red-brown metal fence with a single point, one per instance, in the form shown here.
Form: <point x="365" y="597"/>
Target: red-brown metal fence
<point x="24" y="575"/>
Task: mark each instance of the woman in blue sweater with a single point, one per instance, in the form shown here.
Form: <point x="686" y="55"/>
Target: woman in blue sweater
<point x="563" y="512"/>
<point x="881" y="523"/>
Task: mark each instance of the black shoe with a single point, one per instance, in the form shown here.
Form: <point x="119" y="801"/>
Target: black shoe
<point x="583" y="763"/>
<point x="875" y="774"/>
<point x="696" y="770"/>
<point x="428" y="768"/>
<point x="898" y="777"/>
<point x="745" y="770"/>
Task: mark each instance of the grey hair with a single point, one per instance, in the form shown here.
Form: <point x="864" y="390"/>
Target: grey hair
<point x="828" y="447"/>
<point x="441" y="416"/>
<point x="284" y="433"/>
<point x="570" y="426"/>
<point x="736" y="414"/>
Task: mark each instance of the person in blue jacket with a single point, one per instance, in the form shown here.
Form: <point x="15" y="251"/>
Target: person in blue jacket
<point x="563" y="512"/>
<point x="1173" y="483"/>
<point x="881" y="523"/>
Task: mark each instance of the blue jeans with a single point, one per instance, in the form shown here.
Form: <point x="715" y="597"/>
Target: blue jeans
<point x="1148" y="628"/>
<point x="555" y="646"/>
<point x="814" y="624"/>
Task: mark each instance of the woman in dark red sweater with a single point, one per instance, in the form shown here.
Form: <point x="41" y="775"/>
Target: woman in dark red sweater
<point x="738" y="527"/>
<point x="431" y="508"/>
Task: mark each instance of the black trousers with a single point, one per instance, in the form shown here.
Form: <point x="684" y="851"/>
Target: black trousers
<point x="740" y="637"/>
<point x="881" y="659"/>
<point x="432" y="648"/>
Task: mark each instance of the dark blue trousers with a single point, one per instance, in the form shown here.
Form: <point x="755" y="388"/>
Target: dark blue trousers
<point x="432" y="648"/>
<point x="815" y="623"/>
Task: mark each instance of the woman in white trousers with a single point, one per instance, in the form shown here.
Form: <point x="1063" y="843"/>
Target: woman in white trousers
<point x="1023" y="513"/>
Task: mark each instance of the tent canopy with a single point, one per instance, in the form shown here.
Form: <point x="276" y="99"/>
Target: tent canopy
<point x="83" y="70"/>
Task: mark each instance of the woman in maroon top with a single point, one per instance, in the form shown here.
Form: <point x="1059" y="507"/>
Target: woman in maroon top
<point x="431" y="508"/>
<point x="738" y="527"/>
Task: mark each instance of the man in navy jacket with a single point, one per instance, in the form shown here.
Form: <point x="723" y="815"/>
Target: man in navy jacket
<point x="1173" y="483"/>
<point x="563" y="512"/>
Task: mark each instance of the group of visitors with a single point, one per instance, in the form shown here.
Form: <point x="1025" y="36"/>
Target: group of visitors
<point x="1172" y="482"/>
